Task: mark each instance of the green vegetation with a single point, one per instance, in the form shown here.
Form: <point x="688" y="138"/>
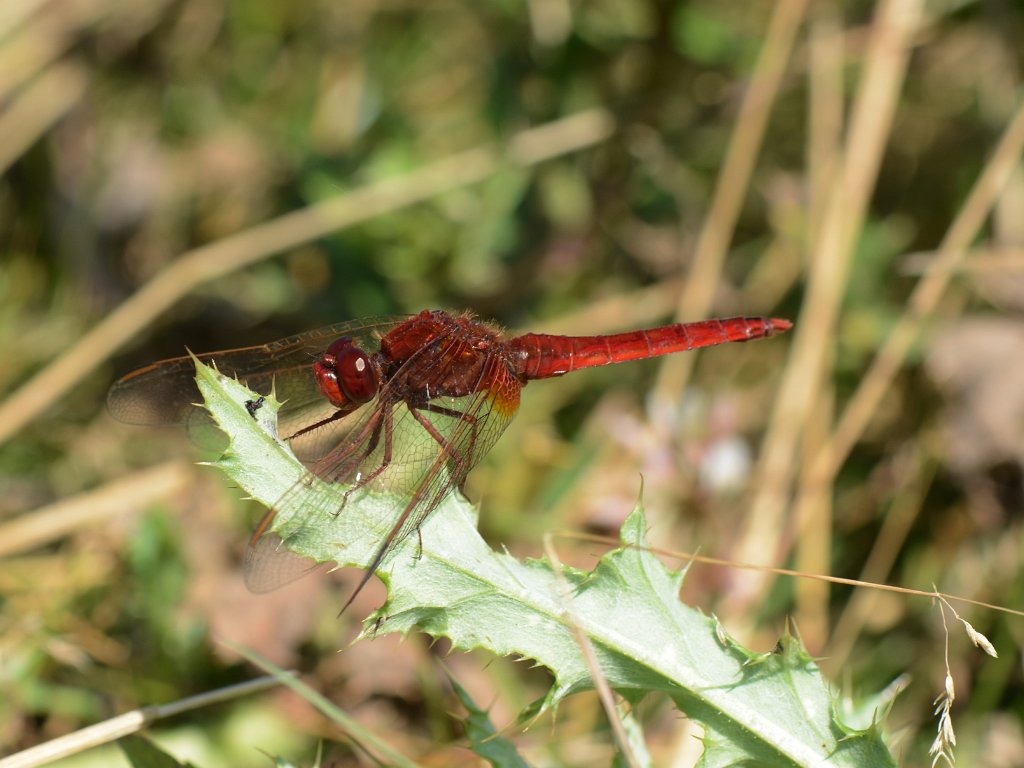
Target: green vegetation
<point x="211" y="174"/>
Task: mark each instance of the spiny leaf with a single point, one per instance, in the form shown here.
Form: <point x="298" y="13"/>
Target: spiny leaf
<point x="771" y="709"/>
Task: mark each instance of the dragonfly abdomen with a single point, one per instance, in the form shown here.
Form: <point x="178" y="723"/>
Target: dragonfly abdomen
<point x="541" y="356"/>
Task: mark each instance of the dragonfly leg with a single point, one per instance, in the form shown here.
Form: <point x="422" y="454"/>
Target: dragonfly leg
<point x="387" y="426"/>
<point x="316" y="425"/>
<point x="422" y="502"/>
<point x="371" y="446"/>
<point x="461" y="461"/>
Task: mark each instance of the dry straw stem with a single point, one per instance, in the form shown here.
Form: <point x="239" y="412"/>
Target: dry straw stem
<point x="14" y="12"/>
<point x="896" y="524"/>
<point x="824" y="156"/>
<point x="871" y="120"/>
<point x="128" y="723"/>
<point x="25" y="54"/>
<point x="814" y="546"/>
<point x="38" y="34"/>
<point x="826" y="52"/>
<point x="35" y="90"/>
<point x="811" y="497"/>
<point x="41" y="104"/>
<point x="126" y="495"/>
<point x="977" y="261"/>
<point x="690" y="557"/>
<point x="733" y="181"/>
<point x="604" y="691"/>
<point x="209" y="262"/>
<point x="925" y="298"/>
<point x="632" y="309"/>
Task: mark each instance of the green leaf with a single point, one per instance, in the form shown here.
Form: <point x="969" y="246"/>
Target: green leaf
<point x="499" y="752"/>
<point x="143" y="753"/>
<point x="772" y="708"/>
<point x="635" y="736"/>
<point x="359" y="735"/>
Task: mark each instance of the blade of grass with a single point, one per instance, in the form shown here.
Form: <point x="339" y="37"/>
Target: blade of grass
<point x="130" y="722"/>
<point x="359" y="735"/>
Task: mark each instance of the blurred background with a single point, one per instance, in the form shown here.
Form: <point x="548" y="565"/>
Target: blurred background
<point x="213" y="173"/>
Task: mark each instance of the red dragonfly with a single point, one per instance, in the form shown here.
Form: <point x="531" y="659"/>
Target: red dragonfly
<point x="408" y="404"/>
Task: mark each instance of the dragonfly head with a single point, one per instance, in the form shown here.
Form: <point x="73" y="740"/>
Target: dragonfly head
<point x="345" y="374"/>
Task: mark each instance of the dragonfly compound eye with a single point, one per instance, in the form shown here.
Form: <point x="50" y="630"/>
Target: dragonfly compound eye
<point x="345" y="374"/>
<point x="356" y="374"/>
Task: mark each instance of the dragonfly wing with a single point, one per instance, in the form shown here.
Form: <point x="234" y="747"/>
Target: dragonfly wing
<point x="269" y="565"/>
<point x="304" y="513"/>
<point x="477" y="422"/>
<point x="417" y="456"/>
<point x="165" y="392"/>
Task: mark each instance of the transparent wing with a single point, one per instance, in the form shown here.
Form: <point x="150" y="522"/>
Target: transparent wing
<point x="419" y="454"/>
<point x="479" y="421"/>
<point x="165" y="392"/>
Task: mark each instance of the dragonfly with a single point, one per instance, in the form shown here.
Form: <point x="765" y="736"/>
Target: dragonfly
<point x="407" y="405"/>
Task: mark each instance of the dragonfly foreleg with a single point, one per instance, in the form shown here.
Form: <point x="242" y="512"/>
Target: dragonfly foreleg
<point x="338" y="465"/>
<point x="463" y="463"/>
<point x="388" y="431"/>
<point x="473" y="424"/>
<point x="315" y="425"/>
